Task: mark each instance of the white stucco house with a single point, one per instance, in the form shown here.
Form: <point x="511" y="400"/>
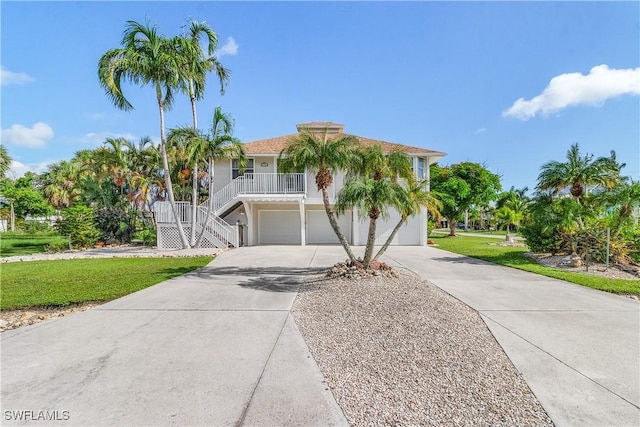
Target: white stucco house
<point x="286" y="209"/>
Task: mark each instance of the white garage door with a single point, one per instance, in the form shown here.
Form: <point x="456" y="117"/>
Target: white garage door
<point x="279" y="228"/>
<point x="319" y="230"/>
<point x="409" y="233"/>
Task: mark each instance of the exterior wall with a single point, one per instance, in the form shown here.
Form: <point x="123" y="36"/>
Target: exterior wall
<point x="270" y="164"/>
<point x="222" y="174"/>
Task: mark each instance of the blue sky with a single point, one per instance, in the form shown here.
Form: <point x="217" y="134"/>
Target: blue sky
<point x="511" y="85"/>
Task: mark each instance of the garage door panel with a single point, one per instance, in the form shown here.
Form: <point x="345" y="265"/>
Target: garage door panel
<point x="319" y="231"/>
<point x="409" y="233"/>
<point x="279" y="227"/>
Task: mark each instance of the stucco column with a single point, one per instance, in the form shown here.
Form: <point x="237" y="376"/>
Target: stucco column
<point x="303" y="238"/>
<point x="355" y="227"/>
<point x="249" y="211"/>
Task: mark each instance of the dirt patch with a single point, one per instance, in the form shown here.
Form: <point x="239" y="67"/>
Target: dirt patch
<point x="561" y="262"/>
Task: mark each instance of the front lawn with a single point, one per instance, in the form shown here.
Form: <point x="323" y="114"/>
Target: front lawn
<point x="63" y="282"/>
<point x="478" y="247"/>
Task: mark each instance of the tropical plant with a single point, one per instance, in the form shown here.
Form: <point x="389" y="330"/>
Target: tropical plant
<point x="373" y="187"/>
<point x="61" y="183"/>
<point x="146" y="58"/>
<point x="508" y="216"/>
<point x="322" y="155"/>
<point x="579" y="173"/>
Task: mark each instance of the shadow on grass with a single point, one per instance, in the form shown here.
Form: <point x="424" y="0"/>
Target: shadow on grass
<point x="268" y="279"/>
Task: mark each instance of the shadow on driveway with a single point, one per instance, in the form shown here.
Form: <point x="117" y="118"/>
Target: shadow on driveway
<point x="269" y="279"/>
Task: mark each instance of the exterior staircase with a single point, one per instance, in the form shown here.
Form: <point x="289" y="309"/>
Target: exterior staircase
<point x="217" y="232"/>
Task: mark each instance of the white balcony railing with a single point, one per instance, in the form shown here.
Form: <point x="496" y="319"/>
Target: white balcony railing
<point x="260" y="183"/>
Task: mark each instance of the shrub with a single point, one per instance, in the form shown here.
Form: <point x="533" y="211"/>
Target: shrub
<point x="148" y="235"/>
<point x="79" y="225"/>
<point x="55" y="247"/>
<point x="116" y="223"/>
<point x="33" y="227"/>
<point x="542" y="239"/>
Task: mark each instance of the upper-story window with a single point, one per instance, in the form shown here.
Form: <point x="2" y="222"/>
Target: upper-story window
<point x="420" y="169"/>
<point x="235" y="168"/>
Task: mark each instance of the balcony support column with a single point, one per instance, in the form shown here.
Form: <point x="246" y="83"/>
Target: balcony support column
<point x="303" y="239"/>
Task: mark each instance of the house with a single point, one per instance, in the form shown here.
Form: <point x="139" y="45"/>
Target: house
<point x="271" y="208"/>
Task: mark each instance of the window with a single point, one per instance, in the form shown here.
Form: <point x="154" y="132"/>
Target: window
<point x="235" y="168"/>
<point x="420" y="172"/>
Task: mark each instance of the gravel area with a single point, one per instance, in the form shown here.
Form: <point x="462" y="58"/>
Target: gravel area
<point x="400" y="351"/>
<point x="561" y="262"/>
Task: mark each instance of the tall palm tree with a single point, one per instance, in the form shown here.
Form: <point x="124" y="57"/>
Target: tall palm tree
<point x="410" y="199"/>
<point x="5" y="161"/>
<point x="323" y="156"/>
<point x="579" y="173"/>
<point x="206" y="149"/>
<point x="146" y="58"/>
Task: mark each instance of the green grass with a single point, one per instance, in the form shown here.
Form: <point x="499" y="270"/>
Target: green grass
<point x="12" y="244"/>
<point x="64" y="282"/>
<point x="478" y="247"/>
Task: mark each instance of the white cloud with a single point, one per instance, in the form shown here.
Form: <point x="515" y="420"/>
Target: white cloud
<point x="33" y="137"/>
<point x="229" y="48"/>
<point x="95" y="116"/>
<point x="17" y="169"/>
<point x="573" y="89"/>
<point x="481" y="130"/>
<point x="10" y="78"/>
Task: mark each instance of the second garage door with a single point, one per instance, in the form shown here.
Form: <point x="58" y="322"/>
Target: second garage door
<point x="279" y="228"/>
<point x="319" y="230"/>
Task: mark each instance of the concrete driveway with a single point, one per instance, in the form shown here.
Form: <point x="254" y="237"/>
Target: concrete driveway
<point x="219" y="347"/>
<point x="215" y="347"/>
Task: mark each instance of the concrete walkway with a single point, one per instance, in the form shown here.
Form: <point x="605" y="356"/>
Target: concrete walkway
<point x="219" y="347"/>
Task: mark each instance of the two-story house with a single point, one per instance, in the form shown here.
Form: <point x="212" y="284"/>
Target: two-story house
<point x="276" y="209"/>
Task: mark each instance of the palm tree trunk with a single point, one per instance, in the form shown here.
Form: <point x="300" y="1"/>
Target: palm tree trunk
<point x="167" y="177"/>
<point x="194" y="172"/>
<point x="390" y="239"/>
<point x="334" y="225"/>
<point x="209" y="205"/>
<point x="371" y="240"/>
<point x="194" y="204"/>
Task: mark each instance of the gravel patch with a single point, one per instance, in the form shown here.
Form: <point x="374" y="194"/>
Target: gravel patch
<point x="400" y="351"/>
<point x="12" y="319"/>
<point x="561" y="262"/>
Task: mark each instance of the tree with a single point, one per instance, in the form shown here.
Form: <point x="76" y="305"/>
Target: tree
<point x="206" y="149"/>
<point x="323" y="156"/>
<point x="579" y="173"/>
<point x="146" y="58"/>
<point x="509" y="217"/>
<point x="196" y="66"/>
<point x="24" y="198"/>
<point x="410" y="199"/>
<point x="5" y="161"/>
<point x="461" y="187"/>
<point x="61" y="183"/>
<point x="373" y="187"/>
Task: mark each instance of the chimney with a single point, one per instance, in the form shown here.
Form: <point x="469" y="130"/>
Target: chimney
<point x="321" y="127"/>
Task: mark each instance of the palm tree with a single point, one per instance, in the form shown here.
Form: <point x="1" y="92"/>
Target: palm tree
<point x="5" y="161"/>
<point x="61" y="184"/>
<point x="509" y="217"/>
<point x="411" y="198"/>
<point x="323" y="156"/>
<point x="146" y="58"/>
<point x="579" y="173"/>
<point x="206" y="149"/>
<point x="373" y="186"/>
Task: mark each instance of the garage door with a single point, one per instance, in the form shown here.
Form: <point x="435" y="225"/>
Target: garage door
<point x="319" y="230"/>
<point x="409" y="233"/>
<point x="279" y="228"/>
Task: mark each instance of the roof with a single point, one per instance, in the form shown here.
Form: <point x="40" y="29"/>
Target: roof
<point x="277" y="144"/>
